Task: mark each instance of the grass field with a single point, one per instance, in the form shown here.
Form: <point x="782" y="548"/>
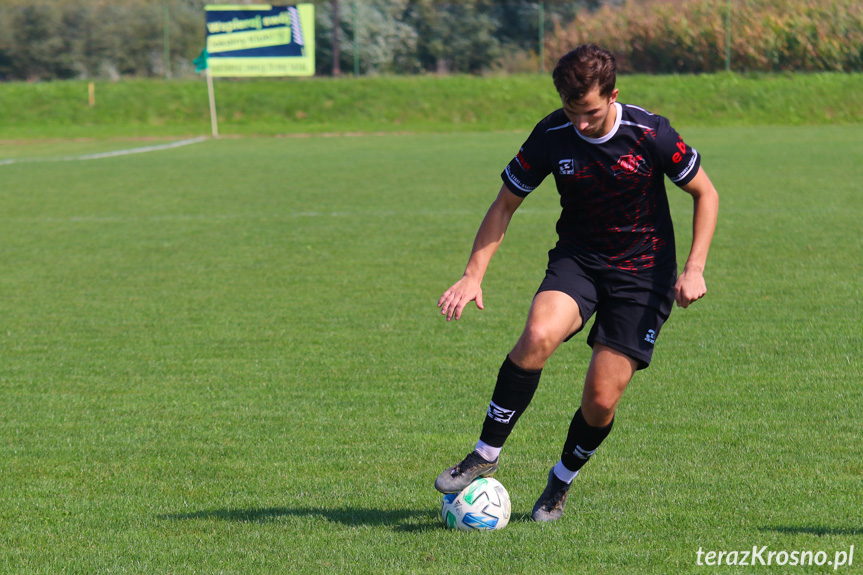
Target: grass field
<point x="226" y="358"/>
<point x="147" y="108"/>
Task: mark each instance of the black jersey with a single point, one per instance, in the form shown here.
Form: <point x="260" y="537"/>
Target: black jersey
<point x="612" y="189"/>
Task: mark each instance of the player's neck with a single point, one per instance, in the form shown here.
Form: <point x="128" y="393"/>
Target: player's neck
<point x="610" y="120"/>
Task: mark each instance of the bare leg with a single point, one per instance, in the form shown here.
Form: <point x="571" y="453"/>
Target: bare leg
<point x="553" y="317"/>
<point x="609" y="373"/>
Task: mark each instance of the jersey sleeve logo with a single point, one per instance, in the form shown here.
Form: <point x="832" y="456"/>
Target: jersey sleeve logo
<point x="519" y="157"/>
<point x="678" y="156"/>
<point x="628" y="164"/>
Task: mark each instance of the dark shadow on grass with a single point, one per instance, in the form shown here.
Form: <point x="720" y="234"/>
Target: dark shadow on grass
<point x="398" y="520"/>
<point x="520" y="518"/>
<point x="820" y="531"/>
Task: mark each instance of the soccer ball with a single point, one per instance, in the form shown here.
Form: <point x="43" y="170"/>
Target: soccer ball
<point x="483" y="505"/>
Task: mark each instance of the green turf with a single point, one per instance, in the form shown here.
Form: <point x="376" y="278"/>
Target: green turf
<point x="406" y="104"/>
<point x="226" y="358"/>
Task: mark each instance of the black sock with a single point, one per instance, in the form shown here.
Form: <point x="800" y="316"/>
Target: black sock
<point x="581" y="441"/>
<point x="512" y="394"/>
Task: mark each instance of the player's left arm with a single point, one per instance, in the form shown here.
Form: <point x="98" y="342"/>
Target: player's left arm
<point x="690" y="284"/>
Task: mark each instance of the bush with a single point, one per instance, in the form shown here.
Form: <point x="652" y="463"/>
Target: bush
<point x="689" y="36"/>
<point x="40" y="41"/>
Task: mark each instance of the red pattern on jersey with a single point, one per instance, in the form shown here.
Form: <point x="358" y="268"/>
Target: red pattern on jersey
<point x="609" y="211"/>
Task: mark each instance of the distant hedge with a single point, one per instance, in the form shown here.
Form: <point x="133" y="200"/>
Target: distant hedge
<point x="62" y="40"/>
<point x="112" y="39"/>
<point x="689" y="36"/>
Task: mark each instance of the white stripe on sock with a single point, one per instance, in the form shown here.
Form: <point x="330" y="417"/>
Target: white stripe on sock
<point x="563" y="473"/>
<point x="488" y="452"/>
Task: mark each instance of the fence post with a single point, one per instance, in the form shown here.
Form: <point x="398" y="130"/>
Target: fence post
<point x="166" y="41"/>
<point x="728" y="37"/>
<point x="337" y="69"/>
<point x="541" y="38"/>
<point x="356" y="52"/>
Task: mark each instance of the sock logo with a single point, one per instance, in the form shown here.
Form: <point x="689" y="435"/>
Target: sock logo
<point x="581" y="453"/>
<point x="500" y="414"/>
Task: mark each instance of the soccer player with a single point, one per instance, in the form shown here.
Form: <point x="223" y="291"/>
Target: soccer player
<point x="615" y="257"/>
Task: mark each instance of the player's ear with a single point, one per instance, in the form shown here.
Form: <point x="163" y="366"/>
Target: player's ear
<point x="613" y="97"/>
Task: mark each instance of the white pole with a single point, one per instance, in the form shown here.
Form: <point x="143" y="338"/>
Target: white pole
<point x="213" y="120"/>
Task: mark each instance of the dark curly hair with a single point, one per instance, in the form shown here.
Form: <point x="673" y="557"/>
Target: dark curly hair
<point x="578" y="71"/>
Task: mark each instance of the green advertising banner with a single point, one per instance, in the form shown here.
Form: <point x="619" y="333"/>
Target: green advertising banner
<point x="260" y="40"/>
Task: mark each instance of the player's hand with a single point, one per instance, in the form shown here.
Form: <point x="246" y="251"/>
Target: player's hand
<point x="690" y="287"/>
<point x="454" y="300"/>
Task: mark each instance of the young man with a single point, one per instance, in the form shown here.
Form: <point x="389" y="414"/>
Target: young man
<point x="615" y="257"/>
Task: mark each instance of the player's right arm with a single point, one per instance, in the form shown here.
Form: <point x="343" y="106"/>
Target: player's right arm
<point x="487" y="241"/>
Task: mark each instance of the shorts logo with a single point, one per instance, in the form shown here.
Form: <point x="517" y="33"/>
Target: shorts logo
<point x="567" y="167"/>
<point x="628" y="164"/>
<point x="500" y="414"/>
<point x="650" y="337"/>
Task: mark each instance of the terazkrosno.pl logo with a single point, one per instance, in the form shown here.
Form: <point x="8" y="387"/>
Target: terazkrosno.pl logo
<point x="759" y="556"/>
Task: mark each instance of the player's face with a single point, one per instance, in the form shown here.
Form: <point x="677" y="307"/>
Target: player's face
<point x="592" y="115"/>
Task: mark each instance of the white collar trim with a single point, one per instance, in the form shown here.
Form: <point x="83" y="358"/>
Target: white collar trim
<point x="610" y="134"/>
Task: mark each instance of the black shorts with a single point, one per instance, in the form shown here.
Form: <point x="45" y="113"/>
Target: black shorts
<point x="630" y="308"/>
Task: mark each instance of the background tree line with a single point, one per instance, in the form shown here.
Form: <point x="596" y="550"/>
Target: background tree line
<point x="688" y="36"/>
<point x="41" y="39"/>
<point x="109" y="39"/>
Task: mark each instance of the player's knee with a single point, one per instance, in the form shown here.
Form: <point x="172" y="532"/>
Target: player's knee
<point x="533" y="349"/>
<point x="598" y="410"/>
<point x="539" y="340"/>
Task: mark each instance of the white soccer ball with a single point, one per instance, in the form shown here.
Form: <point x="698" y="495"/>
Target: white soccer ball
<point x="483" y="505"/>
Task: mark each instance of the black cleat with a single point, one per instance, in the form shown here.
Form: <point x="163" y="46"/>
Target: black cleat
<point x="456" y="478"/>
<point x="549" y="506"/>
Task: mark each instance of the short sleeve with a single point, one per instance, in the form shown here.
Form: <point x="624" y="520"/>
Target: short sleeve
<point x="679" y="161"/>
<point x="529" y="167"/>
